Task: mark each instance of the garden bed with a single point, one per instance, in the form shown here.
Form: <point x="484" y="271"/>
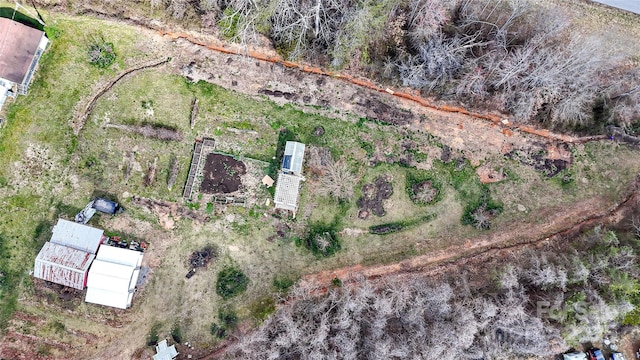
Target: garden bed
<point x="222" y="174"/>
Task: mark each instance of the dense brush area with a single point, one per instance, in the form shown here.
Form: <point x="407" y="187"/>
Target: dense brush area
<point x="539" y="305"/>
<point x="516" y="56"/>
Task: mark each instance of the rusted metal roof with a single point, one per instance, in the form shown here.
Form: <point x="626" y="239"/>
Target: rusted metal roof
<point x="63" y="265"/>
<point x="18" y="46"/>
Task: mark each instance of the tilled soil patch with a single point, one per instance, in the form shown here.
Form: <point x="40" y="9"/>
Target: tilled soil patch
<point x="550" y="161"/>
<point x="373" y="197"/>
<point x="222" y="174"/>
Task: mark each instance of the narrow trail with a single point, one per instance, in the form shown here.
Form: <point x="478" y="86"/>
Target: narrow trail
<point x="77" y="122"/>
<point x="572" y="223"/>
<point x="502" y="121"/>
<point x="569" y="224"/>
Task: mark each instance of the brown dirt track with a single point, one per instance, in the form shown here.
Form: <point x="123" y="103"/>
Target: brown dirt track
<point x="554" y="224"/>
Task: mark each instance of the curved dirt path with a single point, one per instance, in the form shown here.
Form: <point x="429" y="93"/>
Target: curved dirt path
<point x="77" y="123"/>
<point x="552" y="228"/>
<point x="554" y="224"/>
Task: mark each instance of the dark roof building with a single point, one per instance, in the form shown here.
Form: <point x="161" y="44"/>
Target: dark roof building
<point x="20" y="49"/>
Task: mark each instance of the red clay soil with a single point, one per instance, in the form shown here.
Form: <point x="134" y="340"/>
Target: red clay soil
<point x="555" y="224"/>
<point x="415" y="97"/>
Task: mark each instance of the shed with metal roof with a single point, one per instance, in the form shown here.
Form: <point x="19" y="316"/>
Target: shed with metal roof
<point x="165" y="352"/>
<point x="287" y="192"/>
<point x="113" y="276"/>
<point x="63" y="265"/>
<point x="293" y="158"/>
<point x="77" y="236"/>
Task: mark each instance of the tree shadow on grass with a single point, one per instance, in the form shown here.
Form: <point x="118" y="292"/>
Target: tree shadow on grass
<point x="6" y="12"/>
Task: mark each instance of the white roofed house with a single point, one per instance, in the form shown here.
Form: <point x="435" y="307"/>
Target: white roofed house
<point x="113" y="277"/>
<point x="290" y="177"/>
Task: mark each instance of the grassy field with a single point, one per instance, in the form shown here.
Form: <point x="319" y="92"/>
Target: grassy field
<point x="47" y="172"/>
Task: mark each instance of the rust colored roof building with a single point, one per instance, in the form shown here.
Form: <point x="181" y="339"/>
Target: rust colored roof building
<point x="63" y="265"/>
<point x="20" y="49"/>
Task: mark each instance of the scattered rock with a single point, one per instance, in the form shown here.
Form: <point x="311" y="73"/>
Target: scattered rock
<point x="521" y="208"/>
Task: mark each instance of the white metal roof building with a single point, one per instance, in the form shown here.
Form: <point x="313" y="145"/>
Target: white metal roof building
<point x="77" y="236"/>
<point x="165" y="352"/>
<point x="293" y="158"/>
<point x="287" y="192"/>
<point x="63" y="265"/>
<point x="113" y="276"/>
<point x="289" y="178"/>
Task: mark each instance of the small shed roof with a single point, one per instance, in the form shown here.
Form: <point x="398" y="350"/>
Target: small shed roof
<point x="77" y="236"/>
<point x="106" y="206"/>
<point x="287" y="192"/>
<point x="267" y="181"/>
<point x="113" y="276"/>
<point x="164" y="351"/>
<point x="293" y="157"/>
<point x="575" y="356"/>
<point x="18" y="46"/>
<point x="120" y="256"/>
<point x="62" y="265"/>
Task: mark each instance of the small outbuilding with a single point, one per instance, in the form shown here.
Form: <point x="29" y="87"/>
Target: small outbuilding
<point x="290" y="177"/>
<point x="267" y="181"/>
<point x="113" y="277"/>
<point x="287" y="192"/>
<point x="293" y="158"/>
<point x="20" y="49"/>
<point x="63" y="265"/>
<point x="164" y="351"/>
<point x="576" y="355"/>
<point x="77" y="236"/>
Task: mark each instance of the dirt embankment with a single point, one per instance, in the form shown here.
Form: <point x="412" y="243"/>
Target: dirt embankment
<point x="371" y="105"/>
<point x="83" y="112"/>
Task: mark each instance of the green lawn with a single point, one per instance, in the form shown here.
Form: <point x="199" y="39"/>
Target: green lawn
<point x="47" y="172"/>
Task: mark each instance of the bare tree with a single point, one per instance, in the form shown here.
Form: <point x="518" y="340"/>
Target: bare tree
<point x="299" y="25"/>
<point x="426" y="17"/>
<point x="635" y="224"/>
<point x="178" y="8"/>
<point x="338" y="180"/>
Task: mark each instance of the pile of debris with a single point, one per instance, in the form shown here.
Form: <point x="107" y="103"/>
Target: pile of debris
<point x="201" y="258"/>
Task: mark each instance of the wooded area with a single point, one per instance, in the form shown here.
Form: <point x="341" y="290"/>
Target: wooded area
<point x="538" y="305"/>
<point x="514" y="56"/>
